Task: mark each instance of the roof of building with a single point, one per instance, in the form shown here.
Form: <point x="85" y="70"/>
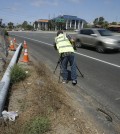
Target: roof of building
<point x="43" y="20"/>
<point x="68" y="17"/>
<point x="71" y="17"/>
<point x="114" y="26"/>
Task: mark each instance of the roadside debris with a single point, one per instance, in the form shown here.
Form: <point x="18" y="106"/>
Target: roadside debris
<point x="9" y="115"/>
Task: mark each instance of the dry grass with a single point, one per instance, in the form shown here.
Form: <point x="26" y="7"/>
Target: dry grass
<point x="41" y="96"/>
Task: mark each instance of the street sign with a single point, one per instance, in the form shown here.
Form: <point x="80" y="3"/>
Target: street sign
<point x="59" y="20"/>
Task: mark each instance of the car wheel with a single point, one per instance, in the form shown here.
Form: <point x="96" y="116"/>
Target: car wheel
<point x="118" y="50"/>
<point x="100" y="48"/>
<point x="78" y="44"/>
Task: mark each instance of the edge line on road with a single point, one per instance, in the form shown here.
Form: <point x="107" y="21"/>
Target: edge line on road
<point x="98" y="59"/>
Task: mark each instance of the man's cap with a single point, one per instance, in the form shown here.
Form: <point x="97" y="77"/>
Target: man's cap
<point x="59" y="32"/>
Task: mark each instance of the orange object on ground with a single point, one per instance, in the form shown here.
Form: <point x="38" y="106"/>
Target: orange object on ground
<point x="14" y="40"/>
<point x="9" y="39"/>
<point x="12" y="47"/>
<point x="25" y="44"/>
<point x="25" y="56"/>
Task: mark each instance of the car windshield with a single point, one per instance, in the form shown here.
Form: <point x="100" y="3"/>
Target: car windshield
<point x="105" y="32"/>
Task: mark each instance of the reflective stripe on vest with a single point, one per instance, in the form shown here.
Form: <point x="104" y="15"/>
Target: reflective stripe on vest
<point x="63" y="44"/>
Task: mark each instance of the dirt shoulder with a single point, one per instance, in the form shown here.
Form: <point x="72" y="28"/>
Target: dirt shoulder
<point x="41" y="95"/>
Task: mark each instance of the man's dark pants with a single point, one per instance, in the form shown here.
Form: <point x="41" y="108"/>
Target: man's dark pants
<point x="69" y="58"/>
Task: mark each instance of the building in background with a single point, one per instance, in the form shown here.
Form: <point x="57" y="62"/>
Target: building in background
<point x="69" y="22"/>
<point x="64" y="22"/>
<point x="114" y="28"/>
<point x="41" y="24"/>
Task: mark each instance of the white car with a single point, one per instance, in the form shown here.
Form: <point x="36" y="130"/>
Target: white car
<point x="99" y="38"/>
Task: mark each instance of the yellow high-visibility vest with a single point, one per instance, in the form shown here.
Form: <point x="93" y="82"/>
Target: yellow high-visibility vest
<point x="63" y="44"/>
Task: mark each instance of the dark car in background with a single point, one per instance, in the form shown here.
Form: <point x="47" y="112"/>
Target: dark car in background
<point x="99" y="38"/>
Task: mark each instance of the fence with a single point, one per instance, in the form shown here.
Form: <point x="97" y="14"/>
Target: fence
<point x="3" y="49"/>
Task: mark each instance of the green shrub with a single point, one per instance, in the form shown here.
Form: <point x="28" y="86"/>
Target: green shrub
<point x="17" y="74"/>
<point x="6" y="33"/>
<point x="38" y="125"/>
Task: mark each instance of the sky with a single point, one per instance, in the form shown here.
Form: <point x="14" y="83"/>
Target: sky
<point x="18" y="11"/>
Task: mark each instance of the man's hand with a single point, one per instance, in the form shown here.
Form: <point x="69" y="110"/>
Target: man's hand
<point x="54" y="45"/>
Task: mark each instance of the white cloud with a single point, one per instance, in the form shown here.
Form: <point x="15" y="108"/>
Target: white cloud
<point x="39" y="3"/>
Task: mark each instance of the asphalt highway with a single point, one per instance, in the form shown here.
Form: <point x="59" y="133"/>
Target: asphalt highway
<point x="101" y="71"/>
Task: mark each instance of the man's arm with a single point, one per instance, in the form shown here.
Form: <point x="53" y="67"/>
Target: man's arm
<point x="54" y="45"/>
<point x="71" y="41"/>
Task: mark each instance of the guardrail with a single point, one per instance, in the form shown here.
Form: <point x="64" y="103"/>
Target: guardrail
<point x="5" y="82"/>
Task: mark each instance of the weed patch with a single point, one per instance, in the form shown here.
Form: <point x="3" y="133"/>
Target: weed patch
<point x="37" y="125"/>
<point x="17" y="74"/>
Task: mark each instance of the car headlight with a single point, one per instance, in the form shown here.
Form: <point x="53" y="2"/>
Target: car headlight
<point x="110" y="41"/>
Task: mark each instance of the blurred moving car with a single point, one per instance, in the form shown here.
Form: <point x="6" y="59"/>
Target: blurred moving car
<point x="99" y="38"/>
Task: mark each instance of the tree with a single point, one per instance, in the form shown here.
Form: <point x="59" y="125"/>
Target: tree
<point x="51" y="25"/>
<point x="101" y="22"/>
<point x="95" y="22"/>
<point x="10" y="25"/>
<point x="3" y="25"/>
<point x="114" y="23"/>
<point x="29" y="27"/>
<point x="24" y="25"/>
<point x="36" y="24"/>
<point x="105" y="24"/>
<point x="18" y="26"/>
<point x="0" y="22"/>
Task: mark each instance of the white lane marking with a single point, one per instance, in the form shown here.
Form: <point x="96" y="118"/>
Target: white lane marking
<point x="98" y="59"/>
<point x="35" y="40"/>
<point x="75" y="52"/>
<point x="117" y="99"/>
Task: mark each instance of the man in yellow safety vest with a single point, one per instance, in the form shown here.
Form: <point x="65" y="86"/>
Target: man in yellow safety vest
<point x="66" y="50"/>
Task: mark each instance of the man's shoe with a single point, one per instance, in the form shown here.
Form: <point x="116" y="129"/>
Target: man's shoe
<point x="74" y="82"/>
<point x="64" y="81"/>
